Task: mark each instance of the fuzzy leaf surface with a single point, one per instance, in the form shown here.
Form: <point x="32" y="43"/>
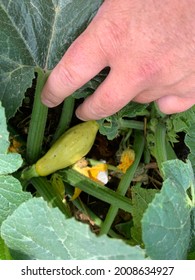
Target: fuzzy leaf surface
<point x="39" y="232"/>
<point x="11" y="196"/>
<point x="166" y="224"/>
<point x="140" y="199"/>
<point x="36" y="33"/>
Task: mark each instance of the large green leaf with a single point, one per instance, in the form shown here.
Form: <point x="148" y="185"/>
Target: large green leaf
<point x="37" y="231"/>
<point x="11" y="196"/>
<point x="140" y="199"/>
<point x="167" y="224"/>
<point x="182" y="121"/>
<point x="36" y="33"/>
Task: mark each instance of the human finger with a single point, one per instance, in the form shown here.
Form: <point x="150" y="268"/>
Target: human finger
<point x="112" y="95"/>
<point x="174" y="104"/>
<point x="82" y="61"/>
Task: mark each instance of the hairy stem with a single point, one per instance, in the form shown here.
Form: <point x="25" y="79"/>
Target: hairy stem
<point x="38" y="121"/>
<point x="160" y="145"/>
<point x="132" y="124"/>
<point x="124" y="183"/>
<point x="97" y="190"/>
<point x="65" y="118"/>
<point x="44" y="188"/>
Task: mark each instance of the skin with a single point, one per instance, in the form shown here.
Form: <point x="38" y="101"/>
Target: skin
<point x="150" y="49"/>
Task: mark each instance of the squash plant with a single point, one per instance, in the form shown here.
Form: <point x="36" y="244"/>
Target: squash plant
<point x="36" y="219"/>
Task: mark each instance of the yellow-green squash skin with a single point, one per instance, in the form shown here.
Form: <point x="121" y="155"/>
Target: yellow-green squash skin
<point x="74" y="144"/>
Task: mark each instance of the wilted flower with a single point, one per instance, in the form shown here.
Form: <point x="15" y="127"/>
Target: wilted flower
<point x="98" y="173"/>
<point x="126" y="160"/>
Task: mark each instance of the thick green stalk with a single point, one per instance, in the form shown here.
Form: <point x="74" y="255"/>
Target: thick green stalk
<point x="160" y="144"/>
<point x="105" y="194"/>
<point x="65" y="118"/>
<point x="87" y="211"/>
<point x="45" y="189"/>
<point x="38" y="121"/>
<point x="132" y="124"/>
<point x="124" y="183"/>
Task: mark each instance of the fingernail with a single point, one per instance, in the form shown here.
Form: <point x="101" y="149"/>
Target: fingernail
<point x="79" y="116"/>
<point x="47" y="102"/>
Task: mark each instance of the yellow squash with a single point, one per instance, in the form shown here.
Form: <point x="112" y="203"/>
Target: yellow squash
<point x="74" y="144"/>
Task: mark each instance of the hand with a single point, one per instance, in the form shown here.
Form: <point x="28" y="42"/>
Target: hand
<point x="150" y="49"/>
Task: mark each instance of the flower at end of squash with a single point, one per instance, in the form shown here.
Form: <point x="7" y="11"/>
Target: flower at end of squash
<point x="98" y="173"/>
<point x="126" y="160"/>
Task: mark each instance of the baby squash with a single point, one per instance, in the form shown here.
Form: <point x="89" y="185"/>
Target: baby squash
<point x="74" y="144"/>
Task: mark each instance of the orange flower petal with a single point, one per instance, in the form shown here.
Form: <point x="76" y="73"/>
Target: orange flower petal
<point x="98" y="173"/>
<point x="127" y="159"/>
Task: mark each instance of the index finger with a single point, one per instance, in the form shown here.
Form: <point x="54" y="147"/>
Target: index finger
<point x="82" y="61"/>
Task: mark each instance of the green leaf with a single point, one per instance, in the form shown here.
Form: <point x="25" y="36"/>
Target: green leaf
<point x="40" y="232"/>
<point x="190" y="142"/>
<point x="91" y="86"/>
<point x="95" y="189"/>
<point x="124" y="228"/>
<point x="166" y="224"/>
<point x="4" y="251"/>
<point x="8" y="162"/>
<point x="140" y="199"/>
<point x="113" y="125"/>
<point x="11" y="196"/>
<point x="4" y="135"/>
<point x="133" y="109"/>
<point x="110" y="127"/>
<point x="182" y="121"/>
<point x="192" y="241"/>
<point x="36" y="33"/>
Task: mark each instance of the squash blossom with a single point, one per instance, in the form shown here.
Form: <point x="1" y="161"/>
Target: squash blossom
<point x="126" y="160"/>
<point x="98" y="173"/>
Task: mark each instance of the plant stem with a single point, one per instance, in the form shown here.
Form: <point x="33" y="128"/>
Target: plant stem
<point x="131" y="124"/>
<point x="44" y="188"/>
<point x="97" y="190"/>
<point x="160" y="145"/>
<point x="65" y="118"/>
<point x="124" y="183"/>
<point x="38" y="121"/>
<point x="94" y="162"/>
<point x="87" y="211"/>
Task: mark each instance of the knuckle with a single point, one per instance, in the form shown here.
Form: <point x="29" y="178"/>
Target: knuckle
<point x="98" y="108"/>
<point x="109" y="37"/>
<point x="149" y="71"/>
<point x="68" y="77"/>
<point x="104" y="105"/>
